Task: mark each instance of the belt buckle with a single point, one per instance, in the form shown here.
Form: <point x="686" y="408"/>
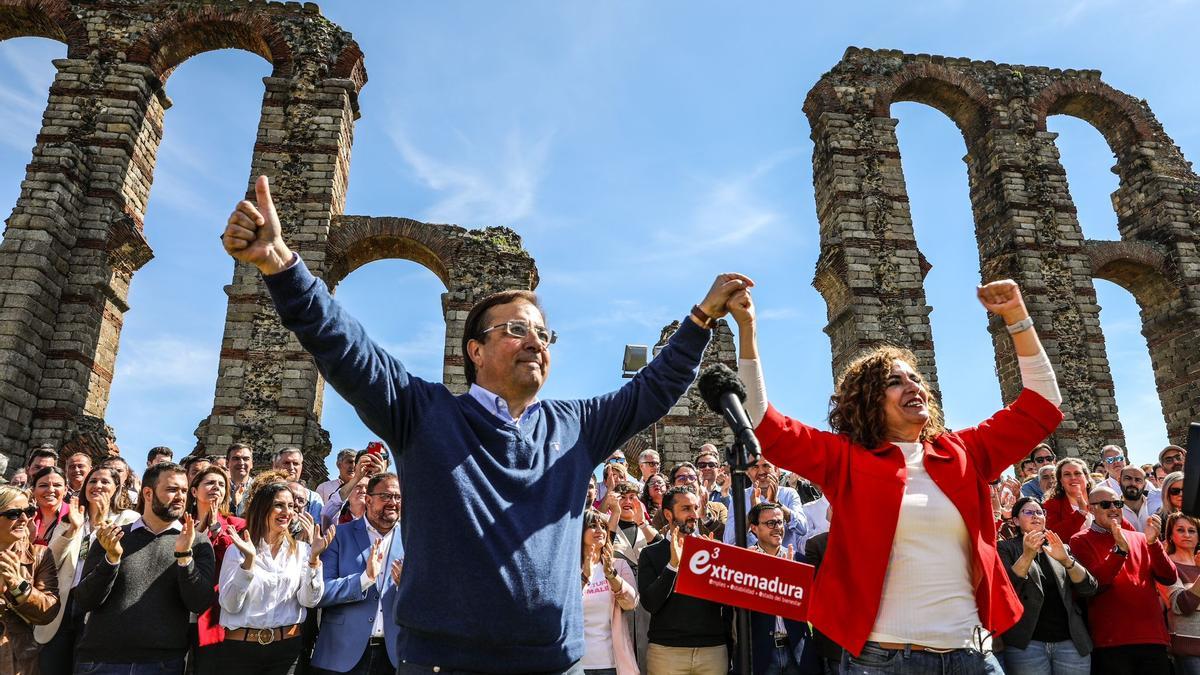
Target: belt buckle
<point x="781" y="640"/>
<point x="270" y="634"/>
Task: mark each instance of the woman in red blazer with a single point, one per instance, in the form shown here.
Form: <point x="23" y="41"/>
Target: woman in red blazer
<point x="208" y="503"/>
<point x="912" y="549"/>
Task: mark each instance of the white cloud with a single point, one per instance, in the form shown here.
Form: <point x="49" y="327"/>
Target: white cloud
<point x="21" y="106"/>
<point x="168" y="363"/>
<point x="730" y="211"/>
<point x="480" y="190"/>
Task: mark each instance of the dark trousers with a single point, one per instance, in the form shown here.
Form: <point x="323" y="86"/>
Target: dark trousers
<point x="413" y="669"/>
<point x="374" y="661"/>
<point x="58" y="655"/>
<point x="235" y="657"/>
<point x="1128" y="659"/>
<point x="169" y="667"/>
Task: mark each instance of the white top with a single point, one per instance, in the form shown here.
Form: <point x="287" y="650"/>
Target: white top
<point x="597" y="622"/>
<point x="328" y="488"/>
<point x="273" y="593"/>
<point x="365" y="582"/>
<point x="928" y="598"/>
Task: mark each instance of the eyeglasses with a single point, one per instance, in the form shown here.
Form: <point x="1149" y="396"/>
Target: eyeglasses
<point x="13" y="514"/>
<point x="651" y="462"/>
<point x="1109" y="503"/>
<point x="774" y="524"/>
<point x="1114" y="459"/>
<point x="1044" y="459"/>
<point x="1029" y="513"/>
<point x="385" y="496"/>
<point x="706" y="465"/>
<point x="1172" y="458"/>
<point x="1173" y="491"/>
<point x="616" y="460"/>
<point x="519" y="328"/>
<point x="685" y="478"/>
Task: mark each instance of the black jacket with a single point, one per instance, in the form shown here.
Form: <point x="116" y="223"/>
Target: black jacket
<point x="1032" y="590"/>
<point x="676" y="620"/>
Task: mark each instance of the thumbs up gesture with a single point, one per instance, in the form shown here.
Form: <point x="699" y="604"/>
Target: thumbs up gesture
<point x="252" y="234"/>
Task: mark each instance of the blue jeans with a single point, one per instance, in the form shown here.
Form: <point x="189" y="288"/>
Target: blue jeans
<point x="168" y="667"/>
<point x="876" y="659"/>
<point x="1186" y="665"/>
<point x="1046" y="658"/>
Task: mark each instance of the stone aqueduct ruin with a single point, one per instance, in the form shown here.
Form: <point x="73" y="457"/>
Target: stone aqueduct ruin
<point x="75" y="237"/>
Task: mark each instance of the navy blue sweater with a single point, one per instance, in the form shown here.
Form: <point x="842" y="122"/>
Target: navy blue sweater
<point x="492" y="520"/>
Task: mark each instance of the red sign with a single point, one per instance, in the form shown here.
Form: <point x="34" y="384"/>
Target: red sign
<point x="740" y="577"/>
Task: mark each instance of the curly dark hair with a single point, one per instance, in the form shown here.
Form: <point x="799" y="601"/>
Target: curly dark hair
<point x="856" y="407"/>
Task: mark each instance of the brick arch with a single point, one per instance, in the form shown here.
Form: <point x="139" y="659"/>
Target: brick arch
<point x="1115" y="115"/>
<point x="951" y="92"/>
<point x="208" y="28"/>
<point x="1137" y="266"/>
<point x="51" y="19"/>
<point x="355" y="241"/>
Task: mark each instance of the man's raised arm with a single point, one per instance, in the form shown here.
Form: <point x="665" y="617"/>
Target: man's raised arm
<point x="370" y="379"/>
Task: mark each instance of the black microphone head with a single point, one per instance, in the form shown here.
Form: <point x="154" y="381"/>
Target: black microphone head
<point x="717" y="380"/>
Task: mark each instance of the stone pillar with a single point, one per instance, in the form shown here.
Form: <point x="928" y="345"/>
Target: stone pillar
<point x="870" y="271"/>
<point x="268" y="388"/>
<point x="123" y="109"/>
<point x="1027" y="230"/>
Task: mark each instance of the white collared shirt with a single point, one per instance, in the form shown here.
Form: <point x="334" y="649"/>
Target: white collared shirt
<point x="274" y="592"/>
<point x="499" y="407"/>
<point x="365" y="582"/>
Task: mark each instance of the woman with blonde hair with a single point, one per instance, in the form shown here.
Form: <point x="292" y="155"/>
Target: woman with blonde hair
<point x="608" y="589"/>
<point x="913" y="549"/>
<point x="101" y="502"/>
<point x="268" y="582"/>
<point x="1172" y="499"/>
<point x="28" y="586"/>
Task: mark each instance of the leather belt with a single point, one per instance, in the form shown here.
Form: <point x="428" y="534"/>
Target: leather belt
<point x="263" y="636"/>
<point x="376" y="642"/>
<point x="899" y="646"/>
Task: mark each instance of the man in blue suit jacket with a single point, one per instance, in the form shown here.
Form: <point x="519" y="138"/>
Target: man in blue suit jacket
<point x="358" y="630"/>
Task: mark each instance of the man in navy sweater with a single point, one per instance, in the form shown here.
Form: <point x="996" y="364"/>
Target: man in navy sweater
<point x="502" y="470"/>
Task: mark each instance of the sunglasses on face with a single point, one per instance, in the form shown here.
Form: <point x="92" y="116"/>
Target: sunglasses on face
<point x="1109" y="504"/>
<point x="1044" y="460"/>
<point x="617" y="460"/>
<point x="1114" y="459"/>
<point x="1174" y="491"/>
<point x="519" y="328"/>
<point x="1173" y="458"/>
<point x="13" y="514"/>
<point x="706" y="465"/>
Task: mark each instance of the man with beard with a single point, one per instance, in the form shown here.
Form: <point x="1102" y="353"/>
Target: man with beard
<point x="1172" y="459"/>
<point x="1126" y="615"/>
<point x="764" y="488"/>
<point x="361" y="568"/>
<point x="687" y="635"/>
<point x="142" y="581"/>
<point x="1140" y="503"/>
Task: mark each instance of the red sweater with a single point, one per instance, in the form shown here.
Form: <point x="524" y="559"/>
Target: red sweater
<point x="865" y="487"/>
<point x="1127" y="610"/>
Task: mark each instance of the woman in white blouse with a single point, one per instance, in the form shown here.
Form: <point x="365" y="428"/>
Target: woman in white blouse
<point x="267" y="581"/>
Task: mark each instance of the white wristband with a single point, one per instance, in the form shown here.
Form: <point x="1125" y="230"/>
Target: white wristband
<point x="1020" y="326"/>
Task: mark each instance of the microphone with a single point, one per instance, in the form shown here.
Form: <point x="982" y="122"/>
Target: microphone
<point x="723" y="393"/>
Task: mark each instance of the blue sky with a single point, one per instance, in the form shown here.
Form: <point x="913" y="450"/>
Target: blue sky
<point x="639" y="148"/>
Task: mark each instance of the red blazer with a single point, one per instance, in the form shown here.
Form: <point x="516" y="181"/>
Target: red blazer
<point x="865" y="487"/>
<point x="208" y="624"/>
<point x="1066" y="522"/>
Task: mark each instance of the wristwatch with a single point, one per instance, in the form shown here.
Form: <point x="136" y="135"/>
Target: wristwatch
<point x="23" y="589"/>
<point x="1117" y="551"/>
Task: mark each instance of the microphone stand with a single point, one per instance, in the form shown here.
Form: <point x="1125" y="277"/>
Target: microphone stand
<point x="739" y="460"/>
